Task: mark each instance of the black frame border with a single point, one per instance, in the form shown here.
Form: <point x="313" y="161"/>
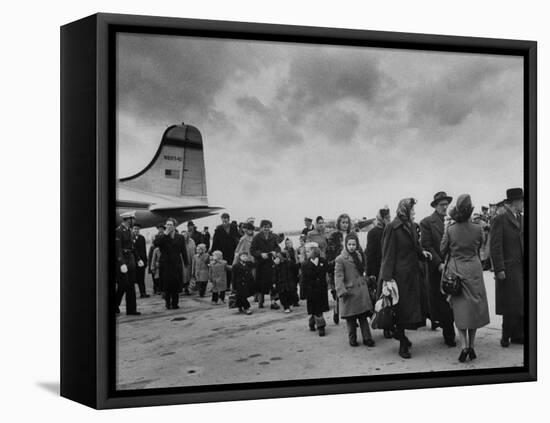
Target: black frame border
<point x="97" y="388"/>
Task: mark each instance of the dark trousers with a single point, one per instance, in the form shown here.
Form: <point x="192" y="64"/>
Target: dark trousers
<point x="512" y="326"/>
<point x="317" y="320"/>
<point x="140" y="279"/>
<point x="228" y="274"/>
<point x="218" y="295"/>
<point x="125" y="284"/>
<point x="449" y="333"/>
<point x="287" y="299"/>
<point x="242" y="302"/>
<point x="171" y="298"/>
<point x="202" y="287"/>
<point x="351" y="323"/>
<point x="156" y="285"/>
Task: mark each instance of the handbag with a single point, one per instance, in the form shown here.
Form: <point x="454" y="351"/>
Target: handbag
<point x="386" y="317"/>
<point x="451" y="284"/>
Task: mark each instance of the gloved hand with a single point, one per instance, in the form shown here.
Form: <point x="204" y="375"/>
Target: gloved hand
<point x="333" y="293"/>
<point x="124" y="268"/>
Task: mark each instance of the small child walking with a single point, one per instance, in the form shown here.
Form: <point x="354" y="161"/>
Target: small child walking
<point x="217" y="273"/>
<point x="199" y="272"/>
<point x="243" y="282"/>
<point x="285" y="284"/>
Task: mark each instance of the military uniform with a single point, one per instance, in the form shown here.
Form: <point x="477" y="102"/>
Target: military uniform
<point x="126" y="254"/>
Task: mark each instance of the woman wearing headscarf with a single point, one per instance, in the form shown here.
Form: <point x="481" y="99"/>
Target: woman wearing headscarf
<point x="352" y="290"/>
<point x="401" y="256"/>
<point x="461" y="241"/>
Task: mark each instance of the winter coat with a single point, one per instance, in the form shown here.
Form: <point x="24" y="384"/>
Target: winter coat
<point x="141" y="250"/>
<point x="373" y="253"/>
<point x="264" y="267"/>
<point x="226" y="242"/>
<point x="200" y="267"/>
<point x="432" y="228"/>
<point x="351" y="286"/>
<point x="401" y="255"/>
<point x="218" y="275"/>
<point x="242" y="279"/>
<point x="463" y="241"/>
<point x="173" y="252"/>
<point x="284" y="276"/>
<point x="335" y="245"/>
<point x="507" y="255"/>
<point x="188" y="268"/>
<point x="314" y="282"/>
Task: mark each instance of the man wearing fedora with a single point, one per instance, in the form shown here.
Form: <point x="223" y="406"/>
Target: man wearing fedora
<point x="431" y="232"/>
<point x="507" y="257"/>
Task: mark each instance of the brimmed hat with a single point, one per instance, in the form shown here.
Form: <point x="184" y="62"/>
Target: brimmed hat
<point x="514" y="194"/>
<point x="308" y="219"/>
<point x="266" y="222"/>
<point x="484" y="208"/>
<point x="128" y="215"/>
<point x="440" y="196"/>
<point x="501" y="203"/>
<point x="190" y="223"/>
<point x="161" y="225"/>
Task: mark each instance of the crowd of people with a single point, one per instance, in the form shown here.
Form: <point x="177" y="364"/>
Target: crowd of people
<point x="402" y="266"/>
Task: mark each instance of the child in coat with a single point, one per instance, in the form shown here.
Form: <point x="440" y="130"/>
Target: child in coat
<point x="217" y="274"/>
<point x="154" y="267"/>
<point x="314" y="273"/>
<point x="242" y="280"/>
<point x="199" y="272"/>
<point x="285" y="283"/>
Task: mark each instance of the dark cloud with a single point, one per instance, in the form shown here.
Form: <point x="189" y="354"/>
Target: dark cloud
<point x="323" y="76"/>
<point x="448" y="98"/>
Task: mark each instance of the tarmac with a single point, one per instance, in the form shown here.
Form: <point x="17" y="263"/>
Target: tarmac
<point x="205" y="344"/>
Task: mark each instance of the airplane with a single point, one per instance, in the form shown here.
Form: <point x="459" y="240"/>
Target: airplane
<point x="173" y="184"/>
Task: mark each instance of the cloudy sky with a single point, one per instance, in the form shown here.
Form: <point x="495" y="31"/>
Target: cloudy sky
<point x="292" y="130"/>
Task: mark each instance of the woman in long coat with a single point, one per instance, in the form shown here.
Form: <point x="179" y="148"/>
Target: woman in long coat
<point x="401" y="255"/>
<point x="462" y="241"/>
<point x="353" y="292"/>
<point x="187" y="268"/>
<point x="314" y="280"/>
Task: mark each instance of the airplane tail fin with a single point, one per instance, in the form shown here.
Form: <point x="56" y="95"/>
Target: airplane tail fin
<point x="177" y="169"/>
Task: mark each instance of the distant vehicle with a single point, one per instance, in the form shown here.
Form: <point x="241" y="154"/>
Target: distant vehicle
<point x="173" y="184"/>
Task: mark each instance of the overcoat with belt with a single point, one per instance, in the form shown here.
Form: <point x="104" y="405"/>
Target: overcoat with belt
<point x="507" y="255"/>
<point x="351" y="286"/>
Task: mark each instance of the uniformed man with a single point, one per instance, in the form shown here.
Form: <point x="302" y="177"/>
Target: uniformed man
<point x="141" y="253"/>
<point x="507" y="258"/>
<point x="126" y="265"/>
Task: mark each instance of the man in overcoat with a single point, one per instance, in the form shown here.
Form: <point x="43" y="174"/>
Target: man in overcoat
<point x="141" y="253"/>
<point x="507" y="257"/>
<point x="432" y="228"/>
<point x="263" y="248"/>
<point x="173" y="255"/>
<point x="126" y="265"/>
<point x="226" y="237"/>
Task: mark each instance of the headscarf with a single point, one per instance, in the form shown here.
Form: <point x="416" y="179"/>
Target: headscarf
<point x="404" y="209"/>
<point x="463" y="209"/>
<point x="355" y="255"/>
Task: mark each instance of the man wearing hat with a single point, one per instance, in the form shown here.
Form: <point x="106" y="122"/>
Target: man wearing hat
<point x="431" y="232"/>
<point x="141" y="254"/>
<point x="308" y="221"/>
<point x="507" y="257"/>
<point x="126" y="265"/>
<point x="263" y="248"/>
<point x="206" y="237"/>
<point x="226" y="237"/>
<point x="194" y="234"/>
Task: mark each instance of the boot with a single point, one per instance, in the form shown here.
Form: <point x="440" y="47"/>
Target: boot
<point x="404" y="349"/>
<point x="353" y="339"/>
<point x="322" y="331"/>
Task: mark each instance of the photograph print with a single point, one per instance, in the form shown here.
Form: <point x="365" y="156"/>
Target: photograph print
<point x="290" y="211"/>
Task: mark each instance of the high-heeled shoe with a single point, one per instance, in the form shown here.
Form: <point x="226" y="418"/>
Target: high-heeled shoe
<point x="463" y="355"/>
<point x="472" y="354"/>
